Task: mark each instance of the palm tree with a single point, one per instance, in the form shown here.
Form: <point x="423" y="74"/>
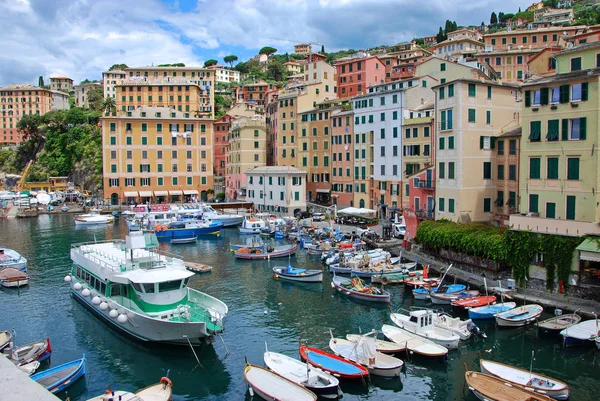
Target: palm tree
<point x="109" y="106"/>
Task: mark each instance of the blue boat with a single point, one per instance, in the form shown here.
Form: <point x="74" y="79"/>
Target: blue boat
<point x="490" y="311"/>
<point x="187" y="229"/>
<point x="59" y="378"/>
<point x="423" y="293"/>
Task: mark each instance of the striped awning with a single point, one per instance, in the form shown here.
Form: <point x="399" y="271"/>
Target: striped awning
<point x="190" y="192"/>
<point x="145" y="194"/>
<point x="161" y="193"/>
<point x="175" y="192"/>
<point x="130" y="194"/>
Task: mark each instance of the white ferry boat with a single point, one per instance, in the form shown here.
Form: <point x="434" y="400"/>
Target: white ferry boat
<point x="140" y="292"/>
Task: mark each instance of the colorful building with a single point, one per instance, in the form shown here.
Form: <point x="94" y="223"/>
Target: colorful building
<point x="342" y="158"/>
<point x="280" y="189"/>
<point x="507" y="175"/>
<point x="64" y="84"/>
<point x="446" y="70"/>
<point x="363" y="166"/>
<point x="220" y="146"/>
<point x="255" y="92"/>
<point x="420" y="199"/>
<point x="287" y="125"/>
<point x="355" y="75"/>
<point x="225" y="75"/>
<point x="110" y="80"/>
<point x="458" y="47"/>
<point x="583" y="57"/>
<point x="302" y="48"/>
<point x="529" y="38"/>
<point x="511" y="66"/>
<point x="402" y="64"/>
<point x="292" y="67"/>
<point x="542" y="63"/>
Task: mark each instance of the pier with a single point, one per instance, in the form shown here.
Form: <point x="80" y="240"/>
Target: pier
<point x="16" y="385"/>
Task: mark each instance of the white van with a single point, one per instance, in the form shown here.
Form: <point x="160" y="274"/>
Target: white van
<point x="318" y="217"/>
<point x="398" y="230"/>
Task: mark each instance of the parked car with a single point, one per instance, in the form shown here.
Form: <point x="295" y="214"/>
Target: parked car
<point x="398" y="230"/>
<point x="318" y="217"/>
<point x="302" y="215"/>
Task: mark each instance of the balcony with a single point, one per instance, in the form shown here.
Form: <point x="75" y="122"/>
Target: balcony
<point x="425" y="214"/>
<point x="425" y="184"/>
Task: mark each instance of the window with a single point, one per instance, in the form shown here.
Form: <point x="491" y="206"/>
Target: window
<point x="451" y="142"/>
<point x="512" y="147"/>
<point x="128" y="140"/>
<point x="451" y="90"/>
<point x="579" y="92"/>
<point x="113" y="140"/>
<point x="577" y="128"/>
<point x="535" y="129"/>
<point x="382" y="115"/>
<point x="576" y="64"/>
<point x="426" y="132"/>
<point x="534" y="168"/>
<point x="451" y="170"/>
<point x="555" y="95"/>
<point x="573" y="168"/>
<point x="488" y="117"/>
<point x="472" y="90"/>
<point x="571" y="200"/>
<point x="552" y="168"/>
<point x="500" y="172"/>
<point x="113" y="168"/>
<point x="113" y="127"/>
<point x="442" y="170"/>
<point x="552" y="134"/>
<point x="441" y="204"/>
<point x="533" y="203"/>
<point x="487" y="205"/>
<point x="487" y="170"/>
<point x="471" y="115"/>
<point x="442" y="143"/>
<point x="450" y="205"/>
<point x="443" y="67"/>
<point x="512" y="172"/>
<point x="442" y="93"/>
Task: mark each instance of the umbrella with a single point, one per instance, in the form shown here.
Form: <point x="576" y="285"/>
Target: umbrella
<point x="350" y="210"/>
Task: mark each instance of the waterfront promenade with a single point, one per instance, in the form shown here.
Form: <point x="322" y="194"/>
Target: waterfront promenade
<point x="17" y="386"/>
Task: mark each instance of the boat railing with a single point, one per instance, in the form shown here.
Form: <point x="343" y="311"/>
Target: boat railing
<point x="215" y="307"/>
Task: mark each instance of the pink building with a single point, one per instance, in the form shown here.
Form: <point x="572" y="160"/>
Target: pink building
<point x="355" y="75"/>
<point x="421" y="205"/>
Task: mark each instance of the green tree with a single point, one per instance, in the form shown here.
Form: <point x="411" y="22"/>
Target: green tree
<point x="439" y="38"/>
<point x="210" y="62"/>
<point x="493" y="18"/>
<point x="276" y="71"/>
<point x="222" y="104"/>
<point x="109" y="106"/>
<point x="506" y="17"/>
<point x="96" y="98"/>
<point x="241" y="67"/>
<point x="322" y="49"/>
<point x="267" y="50"/>
<point x="230" y="59"/>
<point x="41" y="81"/>
<point x="118" y="67"/>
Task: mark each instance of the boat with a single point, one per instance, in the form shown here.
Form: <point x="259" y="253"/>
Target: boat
<point x="60" y="377"/>
<point x="252" y="226"/>
<point x="424" y="293"/>
<point x="420" y="322"/>
<point x="583" y="333"/>
<point x="357" y="289"/>
<point x="333" y="364"/>
<point x="519" y="316"/>
<point x="228" y="220"/>
<point x="185" y="229"/>
<point x="394" y="278"/>
<point x="316" y="380"/>
<point x="29" y="368"/>
<point x="364" y="352"/>
<point x="413" y="343"/>
<point x="184" y="240"/>
<point x="490" y="388"/>
<point x="474" y="302"/>
<point x="447" y="298"/>
<point x="489" y="311"/>
<point x="160" y="308"/>
<point x="417" y="282"/>
<point x="251" y="246"/>
<point x="530" y="380"/>
<point x="291" y="274"/>
<point x="267" y="232"/>
<point x="383" y="346"/>
<point x="382" y="270"/>
<point x="463" y="328"/>
<point x="5" y="339"/>
<point x="197" y="267"/>
<point x="11" y="277"/>
<point x="556" y="324"/>
<point x="271" y="386"/>
<point x="162" y="391"/>
<point x="93" y="219"/>
<point x="598" y="342"/>
<point x="266" y="252"/>
<point x="11" y="258"/>
<point x="64" y="208"/>
<point x="37" y="351"/>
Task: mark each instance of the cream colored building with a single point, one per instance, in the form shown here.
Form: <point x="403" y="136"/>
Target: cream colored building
<point x="302" y="48"/>
<point x="64" y="84"/>
<point x="110" y="80"/>
<point x="277" y="189"/>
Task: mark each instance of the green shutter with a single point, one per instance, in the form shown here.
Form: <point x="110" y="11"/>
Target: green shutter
<point x="534" y="168"/>
<point x="550" y="210"/>
<point x="565" y="129"/>
<point x="493" y="142"/>
<point x="535" y="128"/>
<point x="573" y="168"/>
<point x="480" y="142"/>
<point x="584" y="91"/>
<point x="527" y="98"/>
<point x="544" y="96"/>
<point x="582" y="127"/>
<point x="571" y="207"/>
<point x="564" y="93"/>
<point x="533" y="203"/>
<point x="552" y="134"/>
<point x="552" y="168"/>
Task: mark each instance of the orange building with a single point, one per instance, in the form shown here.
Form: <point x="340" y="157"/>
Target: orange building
<point x="510" y="65"/>
<point x="543" y="63"/>
<point x="507" y="183"/>
<point x="342" y="159"/>
<point x="355" y="75"/>
<point x="402" y="64"/>
<point x="255" y="92"/>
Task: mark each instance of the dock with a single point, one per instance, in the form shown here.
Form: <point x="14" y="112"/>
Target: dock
<point x="16" y="385"/>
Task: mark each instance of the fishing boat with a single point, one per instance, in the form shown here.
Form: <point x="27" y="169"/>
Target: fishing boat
<point x="316" y="380"/>
<point x="417" y="282"/>
<point x="185" y="229"/>
<point x="159" y="308"/>
<point x="271" y="386"/>
<point x="11" y="277"/>
<point x="490" y="388"/>
<point x="394" y="278"/>
<point x="462" y="328"/>
<point x="583" y="333"/>
<point x="11" y="258"/>
<point x="252" y="226"/>
<point x="528" y="379"/>
<point x="37" y="351"/>
<point x="490" y="311"/>
<point x="357" y="289"/>
<point x="333" y="364"/>
<point x="447" y="298"/>
<point x="474" y="302"/>
<point x="93" y="219"/>
<point x="303" y="275"/>
<point x="5" y="339"/>
<point x="267" y="232"/>
<point x="60" y="377"/>
<point x="519" y="316"/>
<point x="184" y="240"/>
<point x="266" y="252"/>
<point x="162" y="391"/>
<point x="250" y="245"/>
<point x="381" y="270"/>
<point x="420" y="322"/>
<point x="364" y="352"/>
<point x="413" y="343"/>
<point x="197" y="267"/>
<point x="556" y="324"/>
<point x="424" y="293"/>
<point x="383" y="346"/>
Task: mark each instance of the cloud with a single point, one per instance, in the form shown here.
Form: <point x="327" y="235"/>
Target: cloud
<point x="82" y="38"/>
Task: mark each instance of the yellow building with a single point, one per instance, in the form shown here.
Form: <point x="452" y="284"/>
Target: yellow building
<point x="302" y="48"/>
<point x="287" y="120"/>
<point x="64" y="84"/>
<point x="417" y="146"/>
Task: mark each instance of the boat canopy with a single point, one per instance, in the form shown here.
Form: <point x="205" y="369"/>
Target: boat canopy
<point x="142" y="276"/>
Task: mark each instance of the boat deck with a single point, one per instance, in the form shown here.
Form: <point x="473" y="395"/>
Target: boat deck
<point x="49" y="380"/>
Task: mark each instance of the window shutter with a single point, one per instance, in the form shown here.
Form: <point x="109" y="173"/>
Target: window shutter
<point x="582" y="127"/>
<point x="493" y="142"/>
<point x="564" y="93"/>
<point x="565" y="129"/>
<point x="480" y="142"/>
<point x="584" y="91"/>
<point x="544" y="96"/>
<point x="527" y="98"/>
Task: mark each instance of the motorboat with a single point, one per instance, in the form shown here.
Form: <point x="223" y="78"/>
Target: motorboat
<point x="364" y="352"/>
<point x="358" y="289"/>
<point x="289" y="273"/>
<point x="333" y="364"/>
<point x="162" y="391"/>
<point x="583" y="333"/>
<point x="58" y="378"/>
<point x="413" y="343"/>
<point x="11" y="258"/>
<point x="185" y="229"/>
<point x="490" y="388"/>
<point x="463" y="328"/>
<point x="420" y="322"/>
<point x="252" y="226"/>
<point x="490" y="311"/>
<point x="93" y="219"/>
<point x="271" y="386"/>
<point x="160" y="308"/>
<point x="5" y="339"/>
<point x="474" y="302"/>
<point x="556" y="324"/>
<point x="519" y="316"/>
<point x="383" y="346"/>
<point x="228" y="220"/>
<point x="11" y="277"/>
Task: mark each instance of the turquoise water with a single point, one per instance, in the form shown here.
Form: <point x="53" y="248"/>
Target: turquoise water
<point x="262" y="309"/>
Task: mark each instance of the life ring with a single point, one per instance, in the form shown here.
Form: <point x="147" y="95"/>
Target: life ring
<point x="166" y="381"/>
<point x="385" y="280"/>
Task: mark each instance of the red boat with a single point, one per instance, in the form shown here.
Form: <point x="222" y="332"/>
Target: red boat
<point x="473" y="302"/>
<point x="330" y="363"/>
<point x="422" y="282"/>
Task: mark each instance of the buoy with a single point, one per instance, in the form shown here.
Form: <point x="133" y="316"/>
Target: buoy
<point x="68" y="278"/>
<point x="104" y="306"/>
<point x="86" y="292"/>
<point x="113" y="313"/>
<point x="122" y="319"/>
<point x="96" y="300"/>
<point x="266" y="312"/>
<point x="77" y="286"/>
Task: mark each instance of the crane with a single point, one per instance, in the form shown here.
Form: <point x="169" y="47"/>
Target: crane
<point x="22" y="180"/>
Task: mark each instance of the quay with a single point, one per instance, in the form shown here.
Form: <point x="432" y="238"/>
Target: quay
<point x="17" y="386"/>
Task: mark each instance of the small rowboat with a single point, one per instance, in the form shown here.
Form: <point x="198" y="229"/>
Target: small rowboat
<point x="59" y="378"/>
<point x="398" y="278"/>
<point x="235" y="247"/>
<point x="5" y="339"/>
<point x="274" y="387"/>
<point x="385" y="347"/>
<point x="377" y="363"/>
<point x="197" y="267"/>
<point x="291" y="274"/>
<point x="356" y="289"/>
<point x="530" y="380"/>
<point x="30" y="368"/>
<point x="583" y="333"/>
<point x="413" y="342"/>
<point x="11" y="277"/>
<point x="446" y="299"/>
<point x="423" y="293"/>
<point x="490" y="388"/>
<point x="474" y="302"/>
<point x="162" y="391"/>
<point x="554" y="325"/>
<point x="417" y="282"/>
<point x="38" y="351"/>
<point x="184" y="240"/>
<point x="277" y="252"/>
<point x="337" y="366"/>
<point x="489" y="311"/>
<point x="520" y="316"/>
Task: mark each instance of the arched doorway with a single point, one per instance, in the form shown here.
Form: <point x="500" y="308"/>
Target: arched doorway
<point x="361" y="203"/>
<point x="114" y="199"/>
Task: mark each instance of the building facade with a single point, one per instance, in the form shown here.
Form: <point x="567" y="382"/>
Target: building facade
<point x="342" y="158"/>
<point x="508" y="147"/>
<point x="110" y="80"/>
<point x="225" y="75"/>
<point x="511" y="66"/>
<point x="255" y="92"/>
<point x="418" y="148"/>
<point x="355" y="75"/>
<point x="528" y="38"/>
<point x="278" y="189"/>
<point x="64" y="84"/>
<point x="81" y="93"/>
<point x="302" y="48"/>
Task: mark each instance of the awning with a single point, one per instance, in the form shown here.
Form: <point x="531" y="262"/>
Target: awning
<point x="589" y="250"/>
<point x="175" y="192"/>
<point x="130" y="194"/>
<point x="190" y="192"/>
<point x="145" y="194"/>
<point x="323" y="191"/>
<point x="161" y="193"/>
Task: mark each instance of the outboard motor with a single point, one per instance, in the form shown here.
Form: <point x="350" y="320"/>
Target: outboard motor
<point x="473" y="329"/>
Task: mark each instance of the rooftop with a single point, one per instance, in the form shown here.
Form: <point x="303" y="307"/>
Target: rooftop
<point x="566" y="77"/>
<point x="580" y="48"/>
<point x="51" y="78"/>
<point x="276" y="170"/>
<point x="539" y="30"/>
<point x="515" y="132"/>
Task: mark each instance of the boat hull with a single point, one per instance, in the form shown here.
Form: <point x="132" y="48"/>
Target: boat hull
<point x="333" y="364"/>
<point x="488" y="312"/>
<point x="440" y="336"/>
<point x="229" y="222"/>
<point x="181" y="233"/>
<point x="14" y="283"/>
<point x="311" y="276"/>
<point x="520" y="316"/>
<point x="384" y="298"/>
<point x="54" y="385"/>
<point x="274" y="387"/>
<point x="269" y="255"/>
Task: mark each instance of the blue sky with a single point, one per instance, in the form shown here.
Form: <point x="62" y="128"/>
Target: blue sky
<point x="82" y="38"/>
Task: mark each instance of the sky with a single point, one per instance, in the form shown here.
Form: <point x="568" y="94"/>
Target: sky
<point x="82" y="38"/>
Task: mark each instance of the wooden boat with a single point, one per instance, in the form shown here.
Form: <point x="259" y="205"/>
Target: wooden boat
<point x="291" y="274"/>
<point x="274" y="387"/>
<point x="331" y="363"/>
<point x="184" y="240"/>
<point x="418" y="282"/>
<point x="519" y="316"/>
<point x="162" y="391"/>
<point x="60" y="377"/>
<point x="11" y="277"/>
<point x="446" y="299"/>
<point x="530" y="380"/>
<point x="197" y="267"/>
<point x="420" y="322"/>
<point x="372" y="271"/>
<point x="490" y="388"/>
<point x="266" y="253"/>
<point x="423" y="293"/>
<point x="385" y="347"/>
<point x="364" y="352"/>
<point x="37" y="351"/>
<point x="316" y="380"/>
<point x="413" y="342"/>
<point x="474" y="302"/>
<point x="30" y="368"/>
<point x="556" y="324"/>
<point x="253" y="246"/>
<point x="489" y="311"/>
<point x="583" y="333"/>
<point x="5" y="339"/>
<point x="357" y="289"/>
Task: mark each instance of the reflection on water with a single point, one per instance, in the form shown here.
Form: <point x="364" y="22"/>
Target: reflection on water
<point x="262" y="309"/>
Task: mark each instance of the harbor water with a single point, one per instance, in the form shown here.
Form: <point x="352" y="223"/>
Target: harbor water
<point x="261" y="310"/>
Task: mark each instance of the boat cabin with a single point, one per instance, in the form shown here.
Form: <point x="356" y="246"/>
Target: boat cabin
<point x="422" y="318"/>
